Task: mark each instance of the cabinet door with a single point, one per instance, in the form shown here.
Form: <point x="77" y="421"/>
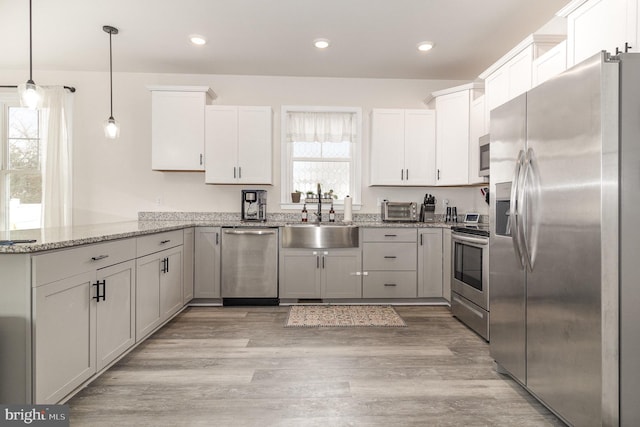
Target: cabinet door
<point x="601" y="25"/>
<point x="148" y="315"/>
<point x="446" y="264"/>
<point x="340" y="278"/>
<point x="221" y="144"/>
<point x="171" y="283"/>
<point x="430" y="263"/>
<point x="452" y="136"/>
<point x="549" y="64"/>
<point x="188" y="252"/>
<point x="300" y="274"/>
<point x="207" y="263"/>
<point x="420" y="147"/>
<point x="519" y="69"/>
<point x="496" y="89"/>
<point x="64" y="333"/>
<point x="387" y="147"/>
<point x="254" y="145"/>
<point x="115" y="315"/>
<point x="177" y="130"/>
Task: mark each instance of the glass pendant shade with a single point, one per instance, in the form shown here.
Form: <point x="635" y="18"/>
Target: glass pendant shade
<point x="111" y="128"/>
<point x="30" y="95"/>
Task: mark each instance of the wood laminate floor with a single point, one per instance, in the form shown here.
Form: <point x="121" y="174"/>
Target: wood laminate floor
<point x="238" y="366"/>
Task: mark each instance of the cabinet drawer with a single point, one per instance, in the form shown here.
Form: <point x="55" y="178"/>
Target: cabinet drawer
<point x="158" y="242"/>
<point x="390" y="256"/>
<point x="390" y="284"/>
<point x="53" y="266"/>
<point x="389" y="235"/>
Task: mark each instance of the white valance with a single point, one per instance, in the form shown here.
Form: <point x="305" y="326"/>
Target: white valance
<point x="321" y="127"/>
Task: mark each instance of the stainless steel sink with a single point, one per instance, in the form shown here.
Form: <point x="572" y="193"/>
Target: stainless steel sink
<point x="319" y="236"/>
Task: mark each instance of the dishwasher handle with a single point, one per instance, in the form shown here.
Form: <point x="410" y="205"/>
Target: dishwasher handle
<point x="250" y="232"/>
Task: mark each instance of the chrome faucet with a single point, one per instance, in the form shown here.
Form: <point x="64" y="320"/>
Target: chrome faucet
<point x="319" y="213"/>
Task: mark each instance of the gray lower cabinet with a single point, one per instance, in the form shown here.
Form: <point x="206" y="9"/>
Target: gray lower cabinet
<point x="389" y="263"/>
<point x="188" y="253"/>
<point x="430" y="263"/>
<point x="446" y="264"/>
<point x="320" y="273"/>
<point x="207" y="262"/>
<point x="83" y="316"/>
<point x="158" y="289"/>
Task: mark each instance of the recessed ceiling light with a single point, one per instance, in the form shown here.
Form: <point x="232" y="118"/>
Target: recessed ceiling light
<point x="321" y="43"/>
<point x="197" y="40"/>
<point x="425" y="46"/>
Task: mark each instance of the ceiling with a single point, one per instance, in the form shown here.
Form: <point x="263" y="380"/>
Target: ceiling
<point x="369" y="38"/>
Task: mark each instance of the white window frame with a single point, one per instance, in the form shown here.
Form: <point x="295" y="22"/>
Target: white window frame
<point x="286" y="163"/>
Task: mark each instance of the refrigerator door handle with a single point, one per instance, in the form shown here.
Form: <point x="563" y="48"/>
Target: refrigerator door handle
<point x="531" y="205"/>
<point x="514" y="211"/>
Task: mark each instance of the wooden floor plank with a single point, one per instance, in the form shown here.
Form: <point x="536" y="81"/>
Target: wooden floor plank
<point x="239" y="366"/>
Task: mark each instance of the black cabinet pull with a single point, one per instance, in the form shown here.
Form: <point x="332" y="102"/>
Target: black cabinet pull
<point x="390" y="235"/>
<point x="317" y="262"/>
<point x="322" y="262"/>
<point x="422" y="235"/>
<point x="626" y="47"/>
<point x="217" y="238"/>
<point x="239" y="172"/>
<point x="390" y="256"/>
<point x="234" y="173"/>
<point x="167" y="264"/>
<point x="438" y="174"/>
<point x="390" y="284"/>
<point x="401" y="174"/>
<point x="164" y="242"/>
<point x="200" y="159"/>
<point x="407" y="174"/>
<point x="104" y="290"/>
<point x="164" y="268"/>
<point x="99" y="257"/>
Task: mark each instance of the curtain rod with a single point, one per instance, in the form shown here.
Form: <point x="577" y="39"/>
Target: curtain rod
<point x="69" y="88"/>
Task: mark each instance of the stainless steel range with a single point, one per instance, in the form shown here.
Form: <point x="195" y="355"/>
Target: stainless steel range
<point x="470" y="277"/>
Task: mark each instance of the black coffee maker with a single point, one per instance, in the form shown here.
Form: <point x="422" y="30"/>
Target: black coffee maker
<point x="254" y="205"/>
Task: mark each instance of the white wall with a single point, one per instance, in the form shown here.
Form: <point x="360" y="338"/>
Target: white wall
<point x="113" y="181"/>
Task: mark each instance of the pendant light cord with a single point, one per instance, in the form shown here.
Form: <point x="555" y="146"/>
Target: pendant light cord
<point x="30" y="46"/>
<point x="110" y="72"/>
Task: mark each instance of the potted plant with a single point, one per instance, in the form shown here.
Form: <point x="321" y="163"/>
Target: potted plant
<point x="295" y="196"/>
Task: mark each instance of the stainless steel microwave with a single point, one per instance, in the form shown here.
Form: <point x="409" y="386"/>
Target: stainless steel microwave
<point x="399" y="211"/>
<point x="484" y="157"/>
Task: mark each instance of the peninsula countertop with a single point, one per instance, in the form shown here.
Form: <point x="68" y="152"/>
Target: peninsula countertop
<point x="65" y="237"/>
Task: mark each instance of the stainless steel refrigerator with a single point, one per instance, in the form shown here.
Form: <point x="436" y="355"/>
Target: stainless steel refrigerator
<point x="565" y="241"/>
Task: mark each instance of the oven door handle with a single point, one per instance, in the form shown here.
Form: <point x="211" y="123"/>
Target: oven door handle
<point x="466" y="239"/>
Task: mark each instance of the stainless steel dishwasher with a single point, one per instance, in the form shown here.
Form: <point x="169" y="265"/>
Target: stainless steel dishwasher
<point x="249" y="266"/>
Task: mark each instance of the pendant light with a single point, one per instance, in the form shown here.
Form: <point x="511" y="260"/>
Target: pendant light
<point x="30" y="94"/>
<point x="111" y="126"/>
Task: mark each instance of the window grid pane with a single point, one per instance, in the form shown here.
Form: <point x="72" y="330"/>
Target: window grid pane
<point x="23" y="123"/>
<point x="24" y="154"/>
<point x="331" y="176"/>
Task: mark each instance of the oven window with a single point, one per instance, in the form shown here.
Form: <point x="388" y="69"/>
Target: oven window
<point x="468" y="265"/>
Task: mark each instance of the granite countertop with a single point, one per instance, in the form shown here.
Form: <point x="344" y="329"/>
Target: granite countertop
<point x="66" y="237"/>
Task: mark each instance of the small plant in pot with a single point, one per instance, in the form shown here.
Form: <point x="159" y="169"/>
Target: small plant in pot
<point x="295" y="196"/>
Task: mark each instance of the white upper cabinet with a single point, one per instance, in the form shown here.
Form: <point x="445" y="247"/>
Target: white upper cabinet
<point x="402" y="147"/>
<point x="238" y="145"/>
<point x="596" y="25"/>
<point x="177" y="127"/>
<point x="550" y="64"/>
<point x="512" y="74"/>
<point x="452" y="136"/>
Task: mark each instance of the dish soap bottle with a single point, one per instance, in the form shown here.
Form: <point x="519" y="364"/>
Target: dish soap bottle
<point x="332" y="214"/>
<point x="304" y="213"/>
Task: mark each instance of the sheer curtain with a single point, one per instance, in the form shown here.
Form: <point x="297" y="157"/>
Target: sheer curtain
<point x="56" y="157"/>
<point x="321" y="127"/>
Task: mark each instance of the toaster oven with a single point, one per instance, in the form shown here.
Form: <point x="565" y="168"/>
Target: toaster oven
<point x="399" y="211"/>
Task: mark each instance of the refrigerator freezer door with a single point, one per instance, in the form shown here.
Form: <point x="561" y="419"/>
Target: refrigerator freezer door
<point x="507" y="276"/>
<point x="564" y="321"/>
